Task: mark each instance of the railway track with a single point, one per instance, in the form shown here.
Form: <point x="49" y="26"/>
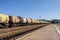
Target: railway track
<point x="14" y="32"/>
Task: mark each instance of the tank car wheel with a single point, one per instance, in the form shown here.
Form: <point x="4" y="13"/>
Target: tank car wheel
<point x="1" y="26"/>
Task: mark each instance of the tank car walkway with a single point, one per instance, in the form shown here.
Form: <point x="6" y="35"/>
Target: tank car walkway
<point x="46" y="33"/>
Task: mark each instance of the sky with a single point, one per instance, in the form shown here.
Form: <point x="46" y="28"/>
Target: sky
<point x="35" y="9"/>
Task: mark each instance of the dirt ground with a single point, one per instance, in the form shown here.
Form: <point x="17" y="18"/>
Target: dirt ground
<point x="46" y="33"/>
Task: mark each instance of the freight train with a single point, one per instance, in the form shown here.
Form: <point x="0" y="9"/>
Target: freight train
<point x="12" y="21"/>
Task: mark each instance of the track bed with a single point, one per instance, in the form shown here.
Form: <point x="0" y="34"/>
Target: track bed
<point x="9" y="33"/>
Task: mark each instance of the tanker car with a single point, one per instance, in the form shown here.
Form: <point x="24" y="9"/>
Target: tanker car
<point x="4" y="20"/>
<point x="15" y="21"/>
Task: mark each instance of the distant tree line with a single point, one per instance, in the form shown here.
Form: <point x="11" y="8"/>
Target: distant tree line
<point x="55" y="21"/>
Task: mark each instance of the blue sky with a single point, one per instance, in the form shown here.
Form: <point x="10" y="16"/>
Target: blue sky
<point x="35" y="9"/>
